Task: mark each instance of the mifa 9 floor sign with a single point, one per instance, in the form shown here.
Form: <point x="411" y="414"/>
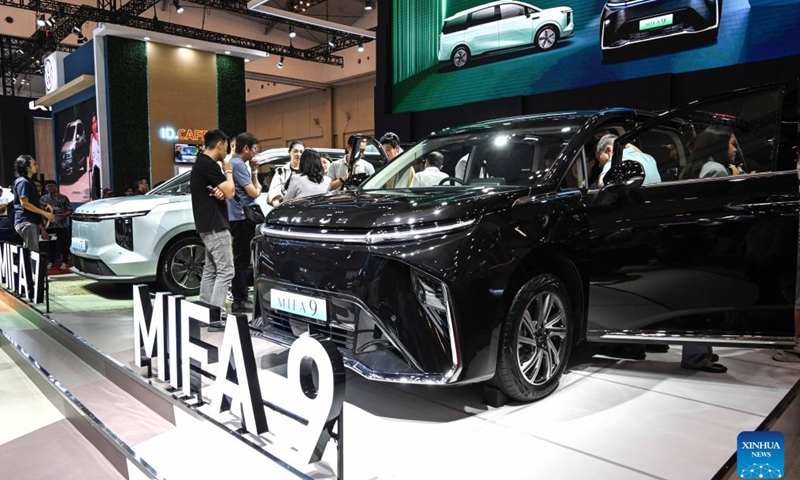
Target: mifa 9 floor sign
<point x="760" y="455"/>
<point x="311" y="396"/>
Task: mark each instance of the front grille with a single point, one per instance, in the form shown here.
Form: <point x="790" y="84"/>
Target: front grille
<point x="88" y="217"/>
<point x="94" y="267"/>
<point x="279" y="321"/>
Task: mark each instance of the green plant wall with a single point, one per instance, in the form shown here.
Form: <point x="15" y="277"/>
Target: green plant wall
<point x="231" y="95"/>
<point x="129" y="115"/>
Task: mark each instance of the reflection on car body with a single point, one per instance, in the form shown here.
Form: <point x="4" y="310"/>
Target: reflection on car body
<point x="499" y="26"/>
<point x="499" y="274"/>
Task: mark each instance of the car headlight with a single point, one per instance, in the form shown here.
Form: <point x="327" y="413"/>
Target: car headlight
<point x="123" y="229"/>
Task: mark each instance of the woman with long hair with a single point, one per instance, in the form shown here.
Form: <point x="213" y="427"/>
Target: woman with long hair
<point x="280" y="182"/>
<point x="713" y="155"/>
<point x="311" y="180"/>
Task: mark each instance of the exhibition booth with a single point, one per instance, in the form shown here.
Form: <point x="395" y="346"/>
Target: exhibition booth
<point x="396" y="326"/>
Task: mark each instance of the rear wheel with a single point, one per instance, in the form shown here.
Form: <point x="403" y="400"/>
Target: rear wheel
<point x="181" y="266"/>
<point x="536" y="340"/>
<point x="546" y="37"/>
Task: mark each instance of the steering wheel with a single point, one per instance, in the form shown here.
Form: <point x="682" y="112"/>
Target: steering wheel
<point x="452" y="181"/>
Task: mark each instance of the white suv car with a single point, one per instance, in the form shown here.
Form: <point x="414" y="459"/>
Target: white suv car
<point x="152" y="237"/>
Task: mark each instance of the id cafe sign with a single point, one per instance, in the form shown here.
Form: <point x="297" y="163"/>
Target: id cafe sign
<point x="167" y="335"/>
<point x="170" y="134"/>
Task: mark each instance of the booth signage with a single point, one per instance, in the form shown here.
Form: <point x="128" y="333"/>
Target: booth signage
<point x="168" y="332"/>
<point x="183" y="134"/>
<point x="22" y="271"/>
<point x="53" y="71"/>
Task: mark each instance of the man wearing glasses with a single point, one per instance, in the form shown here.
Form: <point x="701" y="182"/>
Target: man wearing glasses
<point x="245" y="179"/>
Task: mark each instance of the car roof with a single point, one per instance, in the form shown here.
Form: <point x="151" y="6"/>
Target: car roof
<point x="520" y="121"/>
<point x="280" y="154"/>
<point x="486" y="5"/>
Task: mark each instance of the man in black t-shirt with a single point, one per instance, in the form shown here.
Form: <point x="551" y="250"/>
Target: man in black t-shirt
<point x="27" y="214"/>
<point x="210" y="187"/>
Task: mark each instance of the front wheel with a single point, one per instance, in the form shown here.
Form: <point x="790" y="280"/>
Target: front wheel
<point x="546" y="37"/>
<point x="181" y="266"/>
<point x="536" y="340"/>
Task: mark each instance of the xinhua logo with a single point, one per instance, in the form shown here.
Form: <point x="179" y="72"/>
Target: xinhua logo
<point x="760" y="455"/>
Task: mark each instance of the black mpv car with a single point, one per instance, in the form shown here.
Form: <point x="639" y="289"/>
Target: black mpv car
<point x="501" y="268"/>
<point x="646" y="23"/>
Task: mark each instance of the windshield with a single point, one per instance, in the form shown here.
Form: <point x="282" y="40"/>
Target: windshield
<point x="175" y="186"/>
<point x="69" y="135"/>
<point x="513" y="157"/>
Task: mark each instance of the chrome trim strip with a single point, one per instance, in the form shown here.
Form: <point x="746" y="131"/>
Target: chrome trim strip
<point x="98" y="217"/>
<point x="369" y="238"/>
<point x="86" y="415"/>
<point x="720" y="339"/>
<point x="115" y="278"/>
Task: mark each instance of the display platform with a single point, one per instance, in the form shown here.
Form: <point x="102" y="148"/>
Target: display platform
<point x="609" y="418"/>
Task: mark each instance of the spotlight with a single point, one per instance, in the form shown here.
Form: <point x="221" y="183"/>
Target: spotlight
<point x="280" y="63"/>
<point x="50" y="22"/>
<point x="40" y="20"/>
<point x="331" y="42"/>
<point x="79" y="34"/>
<point x="292" y="33"/>
<point x="368" y="5"/>
<point x="360" y="47"/>
<point x="178" y="7"/>
<point x="146" y="39"/>
<point x="227" y="52"/>
<point x="246" y="60"/>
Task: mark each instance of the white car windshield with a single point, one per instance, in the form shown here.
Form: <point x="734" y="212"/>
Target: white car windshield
<point x="175" y="186"/>
<point x="515" y="157"/>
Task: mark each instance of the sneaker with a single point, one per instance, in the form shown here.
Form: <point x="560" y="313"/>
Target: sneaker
<point x="789" y="356"/>
<point x="229" y="296"/>
<point x="246" y="306"/>
<point x="216" y="326"/>
<point x="64" y="266"/>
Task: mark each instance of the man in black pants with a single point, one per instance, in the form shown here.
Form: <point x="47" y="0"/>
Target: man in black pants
<point x="248" y="188"/>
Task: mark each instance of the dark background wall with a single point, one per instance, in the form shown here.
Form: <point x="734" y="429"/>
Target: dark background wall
<point x="16" y="134"/>
<point x="657" y="92"/>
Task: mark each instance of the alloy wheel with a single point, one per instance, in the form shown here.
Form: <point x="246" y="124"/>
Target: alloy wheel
<point x="186" y="268"/>
<point x="541" y="338"/>
<point x="460" y="57"/>
<point x="546" y="38"/>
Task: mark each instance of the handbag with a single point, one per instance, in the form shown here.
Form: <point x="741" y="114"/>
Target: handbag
<point x="253" y="214"/>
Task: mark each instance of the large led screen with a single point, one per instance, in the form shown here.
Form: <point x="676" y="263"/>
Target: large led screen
<point x="78" y="162"/>
<point x="453" y="52"/>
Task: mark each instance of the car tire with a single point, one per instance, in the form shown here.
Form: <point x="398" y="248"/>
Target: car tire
<point x="181" y="266"/>
<point x="536" y="340"/>
<point x="460" y="56"/>
<point x="546" y="38"/>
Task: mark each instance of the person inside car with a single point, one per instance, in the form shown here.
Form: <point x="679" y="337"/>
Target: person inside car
<point x="433" y="174"/>
<point x="713" y="154"/>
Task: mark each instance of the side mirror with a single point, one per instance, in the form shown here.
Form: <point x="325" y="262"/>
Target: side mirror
<point x="627" y="175"/>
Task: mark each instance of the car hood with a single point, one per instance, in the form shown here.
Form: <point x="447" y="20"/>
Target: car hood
<point x="139" y="203"/>
<point x="393" y="208"/>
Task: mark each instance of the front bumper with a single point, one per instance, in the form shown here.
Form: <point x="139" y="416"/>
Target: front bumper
<point x="380" y="325"/>
<point x="620" y="26"/>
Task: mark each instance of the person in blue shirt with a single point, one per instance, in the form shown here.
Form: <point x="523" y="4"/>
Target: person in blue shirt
<point x="27" y="212"/>
<point x="247" y="188"/>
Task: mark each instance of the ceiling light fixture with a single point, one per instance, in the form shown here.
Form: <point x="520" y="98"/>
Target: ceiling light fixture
<point x="280" y="63"/>
<point x="146" y="39"/>
<point x="368" y="5"/>
<point x="77" y="31"/>
<point x="188" y="45"/>
<point x="360" y="47"/>
<point x="40" y="20"/>
<point x="227" y="52"/>
<point x="246" y="60"/>
<point x="178" y="7"/>
<point x="331" y="40"/>
<point x="292" y="33"/>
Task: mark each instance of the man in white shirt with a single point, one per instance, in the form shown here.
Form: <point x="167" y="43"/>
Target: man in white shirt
<point x="433" y="174"/>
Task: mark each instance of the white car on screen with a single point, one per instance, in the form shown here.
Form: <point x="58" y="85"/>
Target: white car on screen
<point x="152" y="237"/>
<point x="499" y="26"/>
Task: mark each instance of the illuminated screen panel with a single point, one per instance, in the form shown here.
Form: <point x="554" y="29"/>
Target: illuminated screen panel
<point x="454" y="52"/>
